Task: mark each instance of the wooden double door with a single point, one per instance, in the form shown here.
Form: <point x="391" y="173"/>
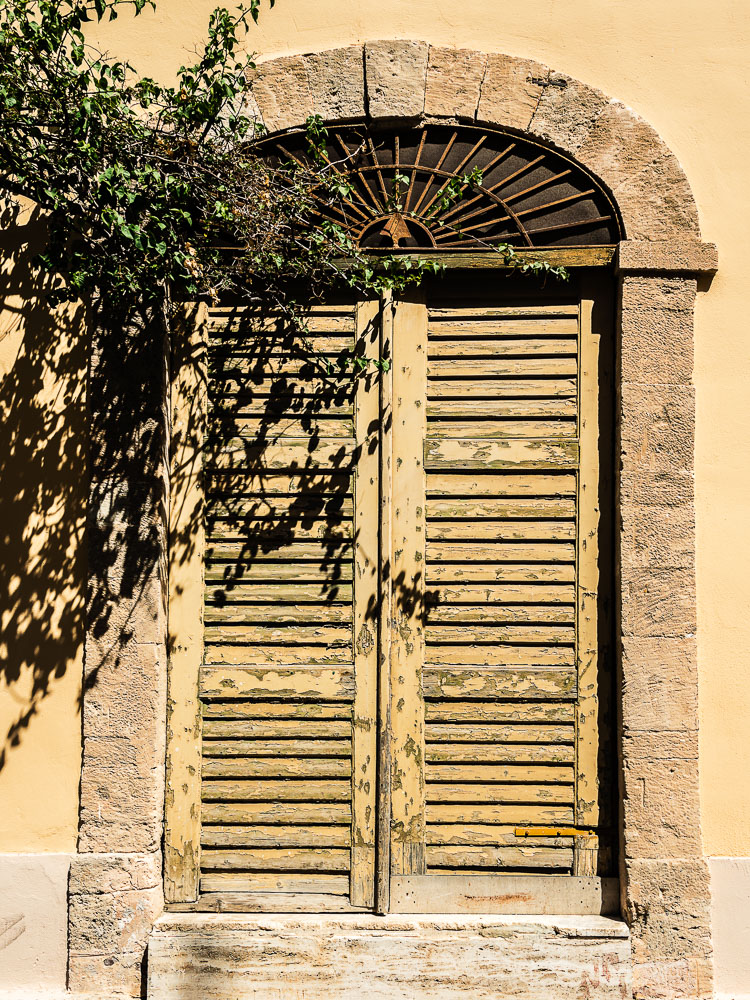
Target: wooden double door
<point x="396" y="696"/>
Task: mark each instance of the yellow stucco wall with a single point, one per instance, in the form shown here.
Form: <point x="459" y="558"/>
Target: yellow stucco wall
<point x="43" y="475"/>
<point x="684" y="65"/>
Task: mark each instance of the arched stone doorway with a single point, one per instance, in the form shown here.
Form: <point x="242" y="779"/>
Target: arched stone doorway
<point x="664" y="882"/>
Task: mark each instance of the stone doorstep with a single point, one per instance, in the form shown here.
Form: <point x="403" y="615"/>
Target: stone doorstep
<point x="217" y="956"/>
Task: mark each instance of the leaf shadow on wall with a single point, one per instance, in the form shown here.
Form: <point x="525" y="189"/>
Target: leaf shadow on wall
<point x="43" y="471"/>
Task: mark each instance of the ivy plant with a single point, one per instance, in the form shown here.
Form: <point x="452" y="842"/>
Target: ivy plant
<point x="144" y="187"/>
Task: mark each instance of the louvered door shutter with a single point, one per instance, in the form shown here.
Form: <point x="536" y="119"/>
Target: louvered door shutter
<point x="288" y="702"/>
<point x="495" y="765"/>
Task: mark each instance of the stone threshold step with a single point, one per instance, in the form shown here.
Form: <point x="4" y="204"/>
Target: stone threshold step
<point x="217" y="956"/>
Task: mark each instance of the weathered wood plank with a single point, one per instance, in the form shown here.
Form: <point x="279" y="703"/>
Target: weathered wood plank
<point x="495" y="733"/>
<point x="284" y="711"/>
<point x="535" y="893"/>
<point x="319" y="730"/>
<point x="499" y="794"/>
<point x="275" y="427"/>
<point x="324" y="683"/>
<point x="468" y="812"/>
<point x="500" y="551"/>
<point x="498" y="387"/>
<point x="276" y="836"/>
<point x="232" y="882"/>
<point x="407" y="569"/>
<point x="493" y="773"/>
<point x="385" y="631"/>
<point x="488" y="573"/>
<point x="275" y="635"/>
<point x="487" y="529"/>
<point x="489" y="346"/>
<point x="501" y="367"/>
<point x="301" y="614"/>
<point x="334" y="578"/>
<point x="324" y="552"/>
<point x="320" y="790"/>
<point x="286" y="453"/>
<point x="260" y="656"/>
<point x="472" y="484"/>
<point x="514" y="753"/>
<point x="484" y="632"/>
<point x="239" y="901"/>
<point x="553" y="683"/>
<point x="276" y="859"/>
<point x="230" y="343"/>
<point x="284" y="361"/>
<point x="562" y="428"/>
<point x="479" y="453"/>
<point x="499" y="711"/>
<point x="276" y="748"/>
<point x="499" y="857"/>
<point x="296" y="388"/>
<point x="276" y="767"/>
<point x="499" y="655"/>
<point x="267" y="533"/>
<point x="496" y="614"/>
<point x="186" y="568"/>
<point x="486" y="834"/>
<point x="251" y="813"/>
<point x="264" y="485"/>
<point x="463" y="408"/>
<point x="275" y="509"/>
<point x="587" y="746"/>
<point x="536" y="312"/>
<point x="366" y="568"/>
<point x="318" y="595"/>
<point x="504" y="593"/>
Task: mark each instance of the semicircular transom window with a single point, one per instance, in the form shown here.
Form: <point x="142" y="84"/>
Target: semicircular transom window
<point x="453" y="188"/>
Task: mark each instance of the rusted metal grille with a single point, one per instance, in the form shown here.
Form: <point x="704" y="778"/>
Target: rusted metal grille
<point x="409" y="189"/>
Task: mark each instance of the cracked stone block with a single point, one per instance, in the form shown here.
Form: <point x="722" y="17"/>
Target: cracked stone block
<point x="395" y="76"/>
<point x="658" y="602"/>
<point x="658" y="428"/>
<point x="566" y="111"/>
<point x="659" y="685"/>
<point x="116" y="977"/>
<point x="337" y="82"/>
<point x="454" y="82"/>
<point x="511" y="90"/>
<point x="657" y="204"/>
<point x="282" y="91"/>
<point x="669" y="909"/>
<point x="619" y="145"/>
<point x="656" y="329"/>
<point x="657" y="536"/>
<point x="660" y="795"/>
<point x="113" y="923"/>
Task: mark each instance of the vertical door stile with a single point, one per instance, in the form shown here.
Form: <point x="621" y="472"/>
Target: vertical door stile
<point x="366" y="567"/>
<point x="408" y="571"/>
<point x="188" y="405"/>
<point x="587" y="722"/>
<point x="385" y="381"/>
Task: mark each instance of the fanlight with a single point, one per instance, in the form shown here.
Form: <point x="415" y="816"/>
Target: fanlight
<point x="453" y="188"/>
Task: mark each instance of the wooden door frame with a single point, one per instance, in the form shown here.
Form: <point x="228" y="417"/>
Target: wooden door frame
<point x="115" y="882"/>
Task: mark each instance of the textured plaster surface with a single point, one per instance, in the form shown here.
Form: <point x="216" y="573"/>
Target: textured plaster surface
<point x="33" y="939"/>
<point x="730" y="907"/>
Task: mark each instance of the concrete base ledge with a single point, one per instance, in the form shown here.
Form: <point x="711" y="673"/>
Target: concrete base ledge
<point x="312" y="957"/>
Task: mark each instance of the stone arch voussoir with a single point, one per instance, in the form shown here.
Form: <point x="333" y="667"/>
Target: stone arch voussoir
<point x="412" y="80"/>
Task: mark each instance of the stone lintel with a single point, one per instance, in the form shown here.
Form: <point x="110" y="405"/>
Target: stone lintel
<point x="389" y="958"/>
<point x="666" y="257"/>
